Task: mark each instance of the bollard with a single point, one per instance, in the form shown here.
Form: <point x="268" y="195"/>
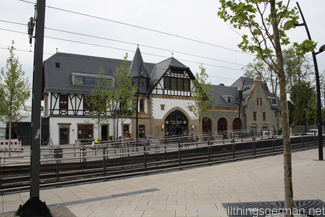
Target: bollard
<point x="209" y="152"/>
<point x="104" y="161"/>
<point x="179" y="155"/>
<point x="303" y="145"/>
<point x="84" y="153"/>
<point x="145" y="156"/>
<point x="233" y="150"/>
<point x="254" y="148"/>
<point x="273" y="145"/>
<point x="57" y="170"/>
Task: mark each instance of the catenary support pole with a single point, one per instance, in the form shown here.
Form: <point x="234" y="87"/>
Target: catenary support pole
<point x="34" y="207"/>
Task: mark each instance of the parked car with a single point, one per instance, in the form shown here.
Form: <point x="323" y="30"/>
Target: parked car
<point x="267" y="133"/>
<point x="152" y="140"/>
<point x="312" y="132"/>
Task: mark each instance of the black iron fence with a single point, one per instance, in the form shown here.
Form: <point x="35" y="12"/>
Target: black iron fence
<point x="89" y="162"/>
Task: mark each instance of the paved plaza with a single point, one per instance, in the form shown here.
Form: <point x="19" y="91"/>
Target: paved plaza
<point x="198" y="191"/>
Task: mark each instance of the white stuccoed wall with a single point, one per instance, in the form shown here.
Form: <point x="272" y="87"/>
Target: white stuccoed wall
<point x="54" y="127"/>
<point x="169" y="104"/>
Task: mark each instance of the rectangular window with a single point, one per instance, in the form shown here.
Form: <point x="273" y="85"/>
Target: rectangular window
<point x="141" y="105"/>
<point x="162" y="107"/>
<point x="180" y="84"/>
<point x="264" y="116"/>
<point x="134" y="105"/>
<point x="78" y="80"/>
<point x="126" y="131"/>
<point x="230" y="99"/>
<point x="254" y="116"/>
<point x="87" y="105"/>
<point x="187" y="84"/>
<point x="109" y="82"/>
<point x="167" y="83"/>
<point x="173" y="84"/>
<point x="142" y="131"/>
<point x="89" y="81"/>
<point x="259" y="101"/>
<point x="85" y="131"/>
<point x="273" y="101"/>
<point x="96" y="80"/>
<point x="63" y="102"/>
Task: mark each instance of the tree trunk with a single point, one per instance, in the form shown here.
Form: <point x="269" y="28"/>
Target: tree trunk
<point x="288" y="188"/>
<point x="10" y="137"/>
<point x="99" y="129"/>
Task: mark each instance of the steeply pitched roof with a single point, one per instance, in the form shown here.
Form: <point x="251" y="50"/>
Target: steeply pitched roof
<point x="161" y="68"/>
<point x="137" y="65"/>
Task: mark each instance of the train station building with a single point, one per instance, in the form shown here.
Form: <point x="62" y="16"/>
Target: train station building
<point x="164" y="97"/>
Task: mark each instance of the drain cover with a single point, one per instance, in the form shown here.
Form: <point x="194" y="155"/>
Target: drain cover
<point x="304" y="207"/>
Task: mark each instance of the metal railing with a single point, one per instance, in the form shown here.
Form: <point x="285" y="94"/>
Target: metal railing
<point x="76" y="163"/>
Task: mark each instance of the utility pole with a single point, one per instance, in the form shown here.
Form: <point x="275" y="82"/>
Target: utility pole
<point x="35" y="207"/>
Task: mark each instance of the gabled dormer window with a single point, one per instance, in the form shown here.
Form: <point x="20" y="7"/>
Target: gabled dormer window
<point x="273" y="101"/>
<point x="228" y="98"/>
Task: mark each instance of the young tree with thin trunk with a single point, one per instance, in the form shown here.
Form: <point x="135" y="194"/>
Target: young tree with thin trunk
<point x="97" y="100"/>
<point x="15" y="90"/>
<point x="267" y="22"/>
<point x="202" y="99"/>
<point x="121" y="95"/>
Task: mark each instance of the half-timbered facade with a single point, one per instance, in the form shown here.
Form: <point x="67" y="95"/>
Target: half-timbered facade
<point x="164" y="96"/>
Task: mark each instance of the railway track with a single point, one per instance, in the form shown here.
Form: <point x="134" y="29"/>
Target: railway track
<point x="16" y="178"/>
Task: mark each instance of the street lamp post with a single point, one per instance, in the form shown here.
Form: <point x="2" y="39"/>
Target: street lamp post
<point x="319" y="107"/>
<point x="141" y="74"/>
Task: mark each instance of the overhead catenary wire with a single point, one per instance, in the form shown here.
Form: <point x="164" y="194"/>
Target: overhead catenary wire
<point x="30" y="51"/>
<point x="122" y="49"/>
<point x="131" y="43"/>
<point x="141" y="27"/>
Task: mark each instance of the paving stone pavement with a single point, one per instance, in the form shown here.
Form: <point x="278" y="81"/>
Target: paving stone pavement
<point x="198" y="191"/>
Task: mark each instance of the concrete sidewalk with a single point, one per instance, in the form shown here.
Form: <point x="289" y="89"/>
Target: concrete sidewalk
<point x="190" y="192"/>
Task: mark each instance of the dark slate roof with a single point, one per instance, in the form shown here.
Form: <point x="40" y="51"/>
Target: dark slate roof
<point x="60" y="79"/>
<point x="248" y="82"/>
<point x="218" y="91"/>
<point x="137" y="65"/>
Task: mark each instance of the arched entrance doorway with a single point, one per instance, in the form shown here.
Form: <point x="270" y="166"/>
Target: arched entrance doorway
<point x="222" y="126"/>
<point x="176" y="124"/>
<point x="206" y="125"/>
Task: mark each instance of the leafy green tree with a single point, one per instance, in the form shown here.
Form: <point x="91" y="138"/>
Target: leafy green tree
<point x="97" y="100"/>
<point x="300" y="98"/>
<point x="267" y="22"/>
<point x="15" y="90"/>
<point x="312" y="110"/>
<point x="297" y="69"/>
<point x="202" y="99"/>
<point x="121" y="95"/>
